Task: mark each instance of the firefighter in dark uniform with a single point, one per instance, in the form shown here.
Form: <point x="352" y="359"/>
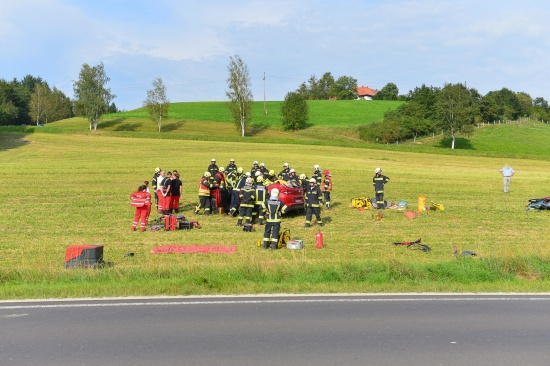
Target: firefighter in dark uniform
<point x="317" y="174"/>
<point x="247" y="198"/>
<point x="273" y="208"/>
<point x="304" y="181"/>
<point x="254" y="169"/>
<point x="213" y="168"/>
<point x="284" y="174"/>
<point x="292" y="177"/>
<point x="313" y="199"/>
<point x="326" y="187"/>
<point x="261" y="196"/>
<point x="154" y="185"/>
<point x="204" y="194"/>
<point x="237" y="184"/>
<point x="263" y="169"/>
<point x="231" y="167"/>
<point x="378" y="181"/>
<point x="232" y="180"/>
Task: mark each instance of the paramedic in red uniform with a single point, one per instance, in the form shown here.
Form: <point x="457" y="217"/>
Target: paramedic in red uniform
<point x="141" y="200"/>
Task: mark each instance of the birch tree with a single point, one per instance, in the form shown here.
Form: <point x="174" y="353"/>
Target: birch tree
<point x="157" y="104"/>
<point x="239" y="93"/>
<point x="91" y="94"/>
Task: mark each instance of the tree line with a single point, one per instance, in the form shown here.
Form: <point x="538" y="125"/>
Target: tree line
<point x="452" y="109"/>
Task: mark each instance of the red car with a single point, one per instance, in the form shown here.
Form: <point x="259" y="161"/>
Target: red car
<point x="291" y="194"/>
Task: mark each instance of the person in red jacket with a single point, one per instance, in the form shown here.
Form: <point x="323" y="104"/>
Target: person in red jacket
<point x="141" y="200"/>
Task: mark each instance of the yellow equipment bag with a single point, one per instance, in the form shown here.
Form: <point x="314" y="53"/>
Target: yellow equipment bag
<point x="284" y="237"/>
<point x="436" y="206"/>
<point x="361" y="201"/>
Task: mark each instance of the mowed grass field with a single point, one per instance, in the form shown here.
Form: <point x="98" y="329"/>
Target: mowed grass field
<point x="73" y="188"/>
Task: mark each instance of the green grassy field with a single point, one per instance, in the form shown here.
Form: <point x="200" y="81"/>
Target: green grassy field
<point x="71" y="186"/>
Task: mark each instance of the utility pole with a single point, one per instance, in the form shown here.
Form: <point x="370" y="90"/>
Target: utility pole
<point x="265" y="109"/>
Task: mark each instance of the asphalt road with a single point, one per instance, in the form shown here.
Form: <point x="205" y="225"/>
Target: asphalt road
<point x="305" y="330"/>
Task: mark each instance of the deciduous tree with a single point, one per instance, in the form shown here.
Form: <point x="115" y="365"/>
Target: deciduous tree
<point x="455" y="110"/>
<point x="157" y="104"/>
<point x="239" y="93"/>
<point x="295" y="112"/>
<point x="91" y="94"/>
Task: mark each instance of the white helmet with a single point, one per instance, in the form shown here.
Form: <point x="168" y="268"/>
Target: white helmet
<point x="292" y="171"/>
<point x="248" y="174"/>
<point x="240" y="170"/>
<point x="248" y="181"/>
<point x="255" y="162"/>
<point x="316" y="167"/>
<point x="313" y="180"/>
<point x="302" y="176"/>
<point x="207" y="174"/>
<point x="275" y="192"/>
<point x="285" y="165"/>
<point x="257" y="173"/>
<point x="262" y="164"/>
<point x="222" y="169"/>
<point x="377" y="170"/>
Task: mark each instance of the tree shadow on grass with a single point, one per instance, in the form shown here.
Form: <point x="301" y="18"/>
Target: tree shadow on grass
<point x="172" y="126"/>
<point x="128" y="127"/>
<point x="110" y="123"/>
<point x="460" y="143"/>
<point x="10" y="141"/>
<point x="257" y="128"/>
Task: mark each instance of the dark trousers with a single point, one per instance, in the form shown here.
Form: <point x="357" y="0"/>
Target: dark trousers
<point x="380" y="200"/>
<point x="271" y="234"/>
<point x="246" y="212"/>
<point x="313" y="210"/>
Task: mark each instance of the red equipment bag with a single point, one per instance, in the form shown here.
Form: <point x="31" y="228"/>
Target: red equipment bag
<point x="170" y="223"/>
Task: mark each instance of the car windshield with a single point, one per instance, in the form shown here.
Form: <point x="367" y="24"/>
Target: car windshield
<point x="292" y="184"/>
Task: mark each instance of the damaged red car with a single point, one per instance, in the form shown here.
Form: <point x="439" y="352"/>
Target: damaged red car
<point x="291" y="194"/>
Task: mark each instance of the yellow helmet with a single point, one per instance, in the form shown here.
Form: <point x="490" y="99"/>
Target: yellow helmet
<point x="272" y="172"/>
<point x="240" y="170"/>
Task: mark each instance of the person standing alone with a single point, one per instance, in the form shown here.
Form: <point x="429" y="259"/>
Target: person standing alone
<point x="379" y="181"/>
<point x="507" y="174"/>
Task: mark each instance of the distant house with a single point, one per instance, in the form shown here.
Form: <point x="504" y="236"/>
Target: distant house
<point x="366" y="93"/>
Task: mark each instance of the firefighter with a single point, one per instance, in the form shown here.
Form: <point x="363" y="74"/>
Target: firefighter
<point x="271" y="178"/>
<point x="231" y="167"/>
<point x="379" y="181"/>
<point x="274" y="209"/>
<point x="204" y="194"/>
<point x="141" y="200"/>
<point x="175" y="192"/>
<point x="304" y="181"/>
<point x="254" y="169"/>
<point x="154" y="185"/>
<point x="247" y="198"/>
<point x="313" y="199"/>
<point x="261" y="196"/>
<point x="292" y="177"/>
<point x="317" y="174"/>
<point x="284" y="174"/>
<point x="236" y="185"/>
<point x="263" y="169"/>
<point x="326" y="187"/>
<point x="213" y="168"/>
<point x="158" y="191"/>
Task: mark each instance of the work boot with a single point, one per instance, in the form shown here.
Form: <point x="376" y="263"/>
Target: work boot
<point x="260" y="222"/>
<point x="320" y="224"/>
<point x="239" y="222"/>
<point x="307" y="225"/>
<point x="207" y="212"/>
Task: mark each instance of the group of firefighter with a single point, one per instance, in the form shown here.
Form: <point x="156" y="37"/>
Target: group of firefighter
<point x="244" y="193"/>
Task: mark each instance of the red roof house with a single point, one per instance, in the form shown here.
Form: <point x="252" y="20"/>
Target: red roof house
<point x="364" y="92"/>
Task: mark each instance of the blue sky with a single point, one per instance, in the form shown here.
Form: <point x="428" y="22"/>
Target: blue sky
<point x="488" y="44"/>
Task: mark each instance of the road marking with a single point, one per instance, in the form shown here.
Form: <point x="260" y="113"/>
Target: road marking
<point x="12" y="315"/>
<point x="267" y="301"/>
